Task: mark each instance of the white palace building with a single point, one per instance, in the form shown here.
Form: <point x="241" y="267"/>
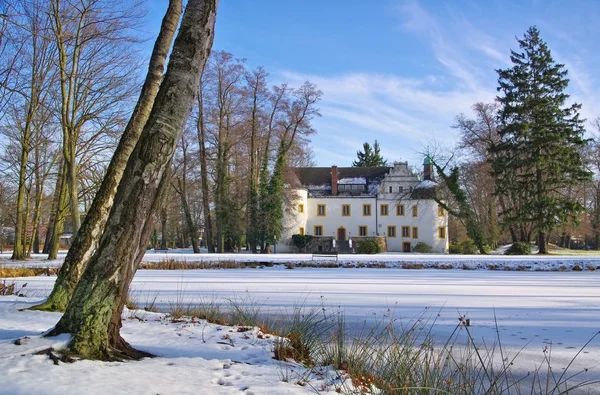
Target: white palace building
<point x="347" y="204"/>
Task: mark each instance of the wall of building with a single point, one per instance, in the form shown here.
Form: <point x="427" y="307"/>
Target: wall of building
<point x="395" y="189"/>
<point x="293" y="219"/>
<point x="427" y="223"/>
<point x="427" y="220"/>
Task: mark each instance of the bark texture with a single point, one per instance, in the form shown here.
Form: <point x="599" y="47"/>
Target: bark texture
<point x="93" y="316"/>
<point x="86" y="239"/>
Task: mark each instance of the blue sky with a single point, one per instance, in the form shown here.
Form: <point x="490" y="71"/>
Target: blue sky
<point x="399" y="71"/>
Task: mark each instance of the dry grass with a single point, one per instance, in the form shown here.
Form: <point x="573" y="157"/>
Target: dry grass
<point x="10" y="288"/>
<point x="415" y="266"/>
<point x="9" y="272"/>
<point x="174" y="264"/>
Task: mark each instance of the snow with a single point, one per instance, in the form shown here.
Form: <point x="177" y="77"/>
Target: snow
<point x="426" y="184"/>
<point x="354" y="181"/>
<point x="324" y="187"/>
<point x="390" y="260"/>
<point x="529" y="310"/>
<point x="193" y="357"/>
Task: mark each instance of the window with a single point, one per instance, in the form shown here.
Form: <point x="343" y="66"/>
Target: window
<point x="415" y="211"/>
<point x="345" y="210"/>
<point x="391" y="231"/>
<point x="390" y="189"/>
<point x="362" y="230"/>
<point x="441" y="211"/>
<point x="383" y="209"/>
<point x="441" y="232"/>
<point x="410" y="189"/>
<point x="321" y="212"/>
<point x="318" y="230"/>
<point x="400" y="189"/>
<point x="400" y="210"/>
<point x="366" y="210"/>
<point x="405" y="231"/>
<point x="415" y="232"/>
<point x="300" y="208"/>
<point x="301" y="231"/>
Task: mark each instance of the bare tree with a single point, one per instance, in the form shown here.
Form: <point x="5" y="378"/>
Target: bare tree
<point x="31" y="91"/>
<point x="93" y="38"/>
<point x="180" y="183"/>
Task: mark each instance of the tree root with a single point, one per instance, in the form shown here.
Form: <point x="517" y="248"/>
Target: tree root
<point x="46" y="306"/>
<point x="56" y="358"/>
<point x="118" y="350"/>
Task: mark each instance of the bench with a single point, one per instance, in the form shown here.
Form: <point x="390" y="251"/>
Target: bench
<point x="325" y="254"/>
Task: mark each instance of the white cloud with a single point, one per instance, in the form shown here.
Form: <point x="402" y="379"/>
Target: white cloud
<point x="404" y="113"/>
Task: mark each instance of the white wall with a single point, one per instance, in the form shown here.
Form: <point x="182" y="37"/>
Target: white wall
<point x="333" y="218"/>
<point x="427" y="222"/>
<point x="293" y="220"/>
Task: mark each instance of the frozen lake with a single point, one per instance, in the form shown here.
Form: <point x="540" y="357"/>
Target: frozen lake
<point x="533" y="310"/>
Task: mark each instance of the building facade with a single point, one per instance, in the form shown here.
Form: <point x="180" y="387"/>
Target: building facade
<point x="358" y="202"/>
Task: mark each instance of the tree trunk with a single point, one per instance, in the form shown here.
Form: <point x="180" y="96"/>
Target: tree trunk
<point x="53" y="212"/>
<point x="208" y="237"/>
<point x="72" y="189"/>
<point x="542" y="242"/>
<point x="189" y="222"/>
<point x="18" y="250"/>
<point x="59" y="216"/>
<point x="85" y="241"/>
<point x="93" y="315"/>
<point x="163" y="229"/>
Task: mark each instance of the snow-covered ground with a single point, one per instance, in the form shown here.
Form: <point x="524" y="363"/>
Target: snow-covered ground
<point x="194" y="358"/>
<point x="533" y="310"/>
<point x="392" y="260"/>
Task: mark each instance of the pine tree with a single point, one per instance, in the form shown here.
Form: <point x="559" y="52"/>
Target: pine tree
<point x="538" y="156"/>
<point x="369" y="157"/>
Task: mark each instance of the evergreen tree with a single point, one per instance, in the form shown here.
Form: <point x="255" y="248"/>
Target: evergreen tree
<point x="369" y="157"/>
<point x="538" y="156"/>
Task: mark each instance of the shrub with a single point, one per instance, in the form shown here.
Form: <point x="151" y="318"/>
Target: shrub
<point x="301" y="241"/>
<point x="454" y="248"/>
<point x="368" y="247"/>
<point x="463" y="247"/>
<point x="519" y="248"/>
<point x="468" y="247"/>
<point x="422" y="247"/>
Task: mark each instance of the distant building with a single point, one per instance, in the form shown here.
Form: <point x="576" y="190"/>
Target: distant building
<point x="355" y="203"/>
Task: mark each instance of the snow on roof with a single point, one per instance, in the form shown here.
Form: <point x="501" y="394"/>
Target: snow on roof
<point x="323" y="187"/>
<point x="373" y="188"/>
<point x="355" y="180"/>
<point x="427" y="184"/>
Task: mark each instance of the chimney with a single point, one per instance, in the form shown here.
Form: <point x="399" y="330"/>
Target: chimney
<point x="334" y="180"/>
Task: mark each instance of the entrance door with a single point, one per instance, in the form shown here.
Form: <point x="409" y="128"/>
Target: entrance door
<point x="405" y="247"/>
<point x="341" y="234"/>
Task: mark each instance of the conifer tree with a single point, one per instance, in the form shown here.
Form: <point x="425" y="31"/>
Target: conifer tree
<point x="369" y="157"/>
<point x="541" y="137"/>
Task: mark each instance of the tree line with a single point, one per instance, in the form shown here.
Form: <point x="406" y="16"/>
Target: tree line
<point x="525" y="168"/>
<point x="66" y="92"/>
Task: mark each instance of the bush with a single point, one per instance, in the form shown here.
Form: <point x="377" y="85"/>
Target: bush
<point x="368" y="247"/>
<point x="519" y="248"/>
<point x="422" y="247"/>
<point x="301" y="241"/>
<point x="467" y="247"/>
